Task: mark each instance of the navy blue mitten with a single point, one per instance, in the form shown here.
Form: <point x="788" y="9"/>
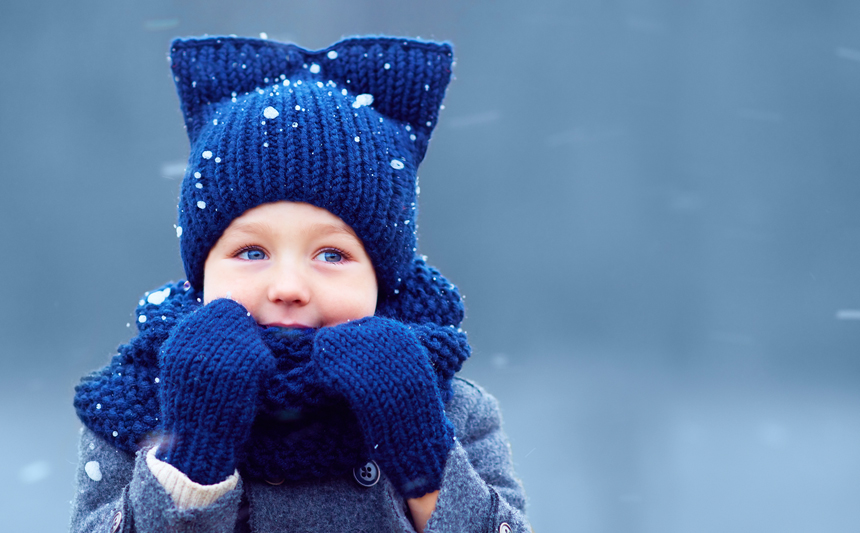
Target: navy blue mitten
<point x="380" y="368"/>
<point x="212" y="366"/>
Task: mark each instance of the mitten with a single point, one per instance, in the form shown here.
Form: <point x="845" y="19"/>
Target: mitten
<point x="381" y="369"/>
<point x="211" y="369"/>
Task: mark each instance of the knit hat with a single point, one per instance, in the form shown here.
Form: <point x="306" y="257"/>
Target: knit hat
<point x="343" y="128"/>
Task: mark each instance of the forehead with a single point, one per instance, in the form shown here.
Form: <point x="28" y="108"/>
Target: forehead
<point x="291" y="217"/>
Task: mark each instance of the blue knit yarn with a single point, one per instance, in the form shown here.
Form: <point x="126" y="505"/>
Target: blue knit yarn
<point x="382" y="370"/>
<point x="212" y="366"/>
<point x="303" y="428"/>
<point x="342" y="128"/>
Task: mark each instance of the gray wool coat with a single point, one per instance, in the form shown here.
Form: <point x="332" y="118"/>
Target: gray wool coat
<point x="116" y="491"/>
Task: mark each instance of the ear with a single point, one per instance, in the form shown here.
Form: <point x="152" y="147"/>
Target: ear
<point x="425" y="296"/>
<point x="407" y="78"/>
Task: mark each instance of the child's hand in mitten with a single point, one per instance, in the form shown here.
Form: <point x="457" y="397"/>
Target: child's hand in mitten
<point x="381" y="369"/>
<point x="211" y="369"/>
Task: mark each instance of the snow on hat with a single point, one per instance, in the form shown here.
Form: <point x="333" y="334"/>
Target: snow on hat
<point x="342" y="128"/>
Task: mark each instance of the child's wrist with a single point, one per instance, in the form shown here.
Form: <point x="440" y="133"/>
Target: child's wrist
<point x="422" y="508"/>
<point x="186" y="493"/>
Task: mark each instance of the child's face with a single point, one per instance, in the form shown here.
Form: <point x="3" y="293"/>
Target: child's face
<point x="293" y="265"/>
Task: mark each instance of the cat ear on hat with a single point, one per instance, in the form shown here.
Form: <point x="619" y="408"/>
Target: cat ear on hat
<point x="210" y="70"/>
<point x="405" y="78"/>
<point x="424" y="296"/>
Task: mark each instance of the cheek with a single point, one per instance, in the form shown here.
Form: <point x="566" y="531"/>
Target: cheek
<point x="219" y="285"/>
<point x="366" y="293"/>
<point x="214" y="286"/>
<point x="349" y="304"/>
<point x="366" y="300"/>
<point x="213" y="280"/>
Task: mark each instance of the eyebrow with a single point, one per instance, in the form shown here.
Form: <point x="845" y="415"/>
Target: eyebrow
<point x="254" y="228"/>
<point x="331" y="228"/>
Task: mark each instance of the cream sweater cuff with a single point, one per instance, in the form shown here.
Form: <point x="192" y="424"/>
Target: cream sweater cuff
<point x="187" y="494"/>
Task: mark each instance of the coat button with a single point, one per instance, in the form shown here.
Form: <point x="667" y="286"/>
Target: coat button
<point x="504" y="528"/>
<point x="116" y="522"/>
<point x="367" y="475"/>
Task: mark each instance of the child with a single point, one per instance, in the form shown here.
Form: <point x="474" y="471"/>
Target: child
<point x="302" y="379"/>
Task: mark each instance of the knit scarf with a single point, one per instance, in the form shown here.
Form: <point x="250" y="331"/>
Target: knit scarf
<point x="299" y="433"/>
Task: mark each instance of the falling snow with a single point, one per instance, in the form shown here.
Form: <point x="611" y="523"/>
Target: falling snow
<point x="206" y="154"/>
<point x="35" y="471"/>
<point x="201" y="204"/>
<point x="270" y="112"/>
<point x="93" y="470"/>
<point x="141" y="319"/>
<point x="197" y="175"/>
<point x="848" y="314"/>
<point x="332" y="54"/>
<point x="396" y="164"/>
<point x="315" y="69"/>
<point x="178" y="231"/>
<point x="158" y="297"/>
<point x="362" y="100"/>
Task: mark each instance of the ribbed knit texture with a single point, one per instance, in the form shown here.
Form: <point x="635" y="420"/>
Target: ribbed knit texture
<point x="382" y="370"/>
<point x="303" y="428"/>
<point x="342" y="128"/>
<point x="212" y="366"/>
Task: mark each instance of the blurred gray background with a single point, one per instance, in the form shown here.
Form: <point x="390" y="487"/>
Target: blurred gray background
<point x="652" y="207"/>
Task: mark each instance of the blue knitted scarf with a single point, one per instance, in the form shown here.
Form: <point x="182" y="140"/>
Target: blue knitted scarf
<point x="295" y="436"/>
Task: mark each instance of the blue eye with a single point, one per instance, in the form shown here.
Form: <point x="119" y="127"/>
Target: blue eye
<point x="330" y="256"/>
<point x="252" y="254"/>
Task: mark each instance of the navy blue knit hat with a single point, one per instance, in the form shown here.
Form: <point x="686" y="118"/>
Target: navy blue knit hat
<point x="342" y="128"/>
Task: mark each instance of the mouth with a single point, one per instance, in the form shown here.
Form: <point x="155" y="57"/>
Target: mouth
<point x="290" y="325"/>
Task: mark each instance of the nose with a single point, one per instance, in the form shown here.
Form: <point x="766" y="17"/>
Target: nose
<point x="289" y="285"/>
